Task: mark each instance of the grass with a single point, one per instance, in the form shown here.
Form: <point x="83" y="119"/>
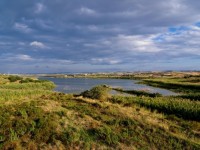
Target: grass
<point x="188" y="87"/>
<point x="115" y="127"/>
<point x="34" y="117"/>
<point x="11" y="91"/>
<point x="138" y="92"/>
<point x="194" y="96"/>
<point x="175" y="84"/>
<point x="25" y="86"/>
<point x="185" y="109"/>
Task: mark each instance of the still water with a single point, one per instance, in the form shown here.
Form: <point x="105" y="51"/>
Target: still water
<point x="78" y="85"/>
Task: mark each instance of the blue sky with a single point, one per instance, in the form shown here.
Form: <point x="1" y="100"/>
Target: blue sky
<point x="46" y="36"/>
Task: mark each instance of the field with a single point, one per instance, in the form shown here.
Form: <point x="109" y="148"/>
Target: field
<point x="34" y="117"/>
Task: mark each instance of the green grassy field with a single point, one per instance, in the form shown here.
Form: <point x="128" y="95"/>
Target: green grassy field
<point x="34" y="117"/>
<point x="188" y="88"/>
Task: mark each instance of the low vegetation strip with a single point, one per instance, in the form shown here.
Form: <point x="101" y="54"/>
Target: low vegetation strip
<point x="180" y="107"/>
<point x="44" y="85"/>
<point x="194" y="96"/>
<point x="173" y="85"/>
<point x="188" y="90"/>
<point x="139" y="92"/>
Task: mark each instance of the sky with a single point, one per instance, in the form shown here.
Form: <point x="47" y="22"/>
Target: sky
<point x="54" y="36"/>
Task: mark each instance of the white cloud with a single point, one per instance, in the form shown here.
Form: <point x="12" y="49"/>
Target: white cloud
<point x="185" y="41"/>
<point x="22" y="27"/>
<point x="21" y="43"/>
<point x="87" y="11"/>
<point x="60" y="61"/>
<point x="134" y="43"/>
<point x="38" y="44"/>
<point x="15" y="57"/>
<point x="123" y="46"/>
<point x="23" y="57"/>
<point x="93" y="28"/>
<point x="174" y="7"/>
<point x="53" y="61"/>
<point x="127" y="13"/>
<point x="108" y="61"/>
<point x="39" y="8"/>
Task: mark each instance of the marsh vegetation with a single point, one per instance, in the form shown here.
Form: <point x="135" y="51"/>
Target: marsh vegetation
<point x="34" y="117"/>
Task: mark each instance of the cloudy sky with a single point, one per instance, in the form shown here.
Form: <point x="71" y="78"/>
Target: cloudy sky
<point x="49" y="36"/>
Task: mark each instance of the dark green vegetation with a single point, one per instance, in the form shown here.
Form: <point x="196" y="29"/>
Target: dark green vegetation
<point x="99" y="92"/>
<point x="14" y="78"/>
<point x="138" y="92"/>
<point x="33" y="117"/>
<point x="182" y="108"/>
<point x="173" y="84"/>
<point x="187" y="87"/>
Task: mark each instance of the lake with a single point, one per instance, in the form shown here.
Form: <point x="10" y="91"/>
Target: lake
<point x="78" y="85"/>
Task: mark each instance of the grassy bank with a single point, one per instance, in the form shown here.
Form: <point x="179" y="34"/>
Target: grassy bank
<point x="182" y="108"/>
<point x="189" y="88"/>
<point x="173" y="84"/>
<point x="34" y="117"/>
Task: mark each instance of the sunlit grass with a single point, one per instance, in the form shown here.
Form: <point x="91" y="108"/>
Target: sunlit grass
<point x="174" y="84"/>
<point x="24" y="86"/>
<point x="180" y="107"/>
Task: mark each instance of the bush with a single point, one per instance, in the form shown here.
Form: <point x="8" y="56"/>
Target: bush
<point x="100" y="92"/>
<point x="27" y="80"/>
<point x="14" y="78"/>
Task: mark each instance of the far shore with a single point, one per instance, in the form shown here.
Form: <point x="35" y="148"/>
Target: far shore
<point x="123" y="75"/>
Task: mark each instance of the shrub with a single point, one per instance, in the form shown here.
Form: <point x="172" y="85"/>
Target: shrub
<point x="100" y="92"/>
<point x="14" y="78"/>
<point x="27" y="80"/>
